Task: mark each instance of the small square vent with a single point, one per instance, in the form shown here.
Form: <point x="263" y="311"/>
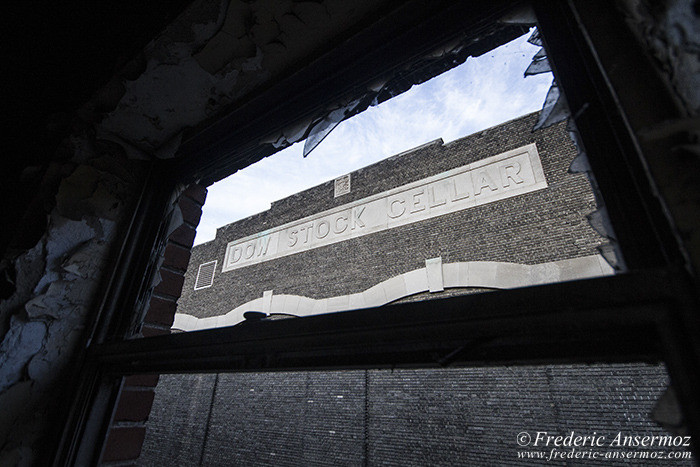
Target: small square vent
<point x="205" y="275"/>
<point x="342" y="185"/>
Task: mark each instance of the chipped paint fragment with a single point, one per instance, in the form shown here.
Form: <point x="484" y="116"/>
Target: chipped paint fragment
<point x="21" y="343"/>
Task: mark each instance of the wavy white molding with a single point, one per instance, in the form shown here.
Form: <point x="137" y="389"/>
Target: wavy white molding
<point x="482" y="274"/>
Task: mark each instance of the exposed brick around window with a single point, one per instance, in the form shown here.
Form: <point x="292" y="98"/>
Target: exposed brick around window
<point x="191" y="211"/>
<point x="141" y="381"/>
<point x="170" y="284"/>
<point x="183" y="235"/>
<point x="176" y="257"/>
<point x="148" y="330"/>
<point x="123" y="443"/>
<point x="161" y="311"/>
<point x="197" y="192"/>
<point x="134" y="406"/>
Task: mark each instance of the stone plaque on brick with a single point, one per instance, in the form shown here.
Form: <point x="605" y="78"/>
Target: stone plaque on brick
<point x="342" y="185"/>
<point x="505" y="175"/>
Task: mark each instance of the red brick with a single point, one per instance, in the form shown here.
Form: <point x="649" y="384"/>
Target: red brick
<point x="183" y="235"/>
<point x="151" y="331"/>
<point x="170" y="284"/>
<point x="191" y="211"/>
<point x="134" y="406"/>
<point x="141" y="381"/>
<point x="161" y="311"/>
<point x="197" y="193"/>
<point x="123" y="443"/>
<point x="176" y="257"/>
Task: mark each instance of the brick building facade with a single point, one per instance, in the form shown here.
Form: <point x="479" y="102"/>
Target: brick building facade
<point x="534" y="234"/>
<point x="541" y="226"/>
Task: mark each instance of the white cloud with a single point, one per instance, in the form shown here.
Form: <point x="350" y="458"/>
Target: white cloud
<point x="478" y="94"/>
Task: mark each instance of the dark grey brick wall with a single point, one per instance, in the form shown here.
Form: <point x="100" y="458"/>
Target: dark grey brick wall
<point x="175" y="431"/>
<point x="298" y="418"/>
<point x="461" y="416"/>
<point x="537" y="227"/>
<point x="472" y="416"/>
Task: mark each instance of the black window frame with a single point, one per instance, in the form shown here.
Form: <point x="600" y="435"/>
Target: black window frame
<point x="646" y="314"/>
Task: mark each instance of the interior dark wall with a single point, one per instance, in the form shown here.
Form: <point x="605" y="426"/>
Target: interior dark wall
<point x="57" y="55"/>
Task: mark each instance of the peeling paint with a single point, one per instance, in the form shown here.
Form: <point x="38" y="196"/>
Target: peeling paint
<point x="164" y="100"/>
<point x="21" y="343"/>
<point x="55" y="286"/>
<point x="671" y="32"/>
<point x="204" y="62"/>
<point x="64" y="235"/>
<point x="29" y="268"/>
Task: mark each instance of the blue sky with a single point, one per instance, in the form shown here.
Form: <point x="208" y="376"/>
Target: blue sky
<point x="478" y="94"/>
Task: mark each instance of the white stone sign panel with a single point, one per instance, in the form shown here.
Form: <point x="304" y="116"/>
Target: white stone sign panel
<point x="495" y="178"/>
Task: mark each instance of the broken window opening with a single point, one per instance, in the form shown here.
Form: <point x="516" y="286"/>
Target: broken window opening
<point x="414" y="218"/>
<point x="257" y="365"/>
<point x="426" y="112"/>
<point x="566" y="177"/>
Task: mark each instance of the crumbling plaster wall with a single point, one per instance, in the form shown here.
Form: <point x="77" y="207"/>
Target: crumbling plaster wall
<point x="669" y="31"/>
<point x="213" y="54"/>
<point x="56" y="283"/>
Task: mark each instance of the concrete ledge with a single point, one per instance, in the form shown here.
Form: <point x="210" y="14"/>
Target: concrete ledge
<point x="483" y="274"/>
